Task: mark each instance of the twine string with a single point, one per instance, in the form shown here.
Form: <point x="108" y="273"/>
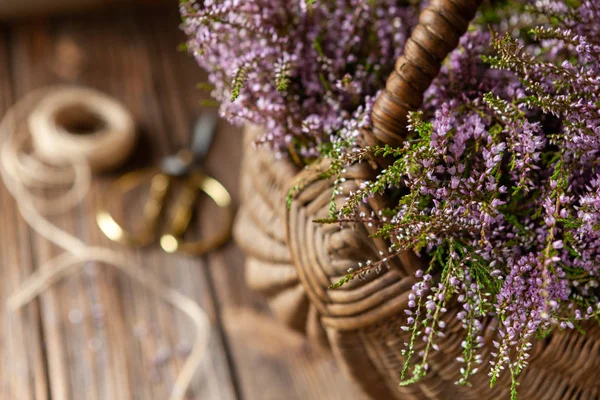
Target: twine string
<point x="23" y="172"/>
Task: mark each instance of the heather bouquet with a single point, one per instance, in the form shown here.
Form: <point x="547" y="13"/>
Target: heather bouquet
<point x="497" y="187"/>
<point x="499" y="191"/>
<point x="302" y="69"/>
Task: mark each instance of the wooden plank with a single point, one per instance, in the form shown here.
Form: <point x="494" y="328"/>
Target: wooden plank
<point x="22" y="366"/>
<point x="129" y="352"/>
<point x="68" y="358"/>
<point x="181" y="102"/>
<point x="27" y="8"/>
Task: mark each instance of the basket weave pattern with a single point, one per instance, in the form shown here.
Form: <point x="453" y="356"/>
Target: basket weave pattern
<point x="293" y="260"/>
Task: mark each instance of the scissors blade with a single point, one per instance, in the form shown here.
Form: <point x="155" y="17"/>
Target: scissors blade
<point x="204" y="131"/>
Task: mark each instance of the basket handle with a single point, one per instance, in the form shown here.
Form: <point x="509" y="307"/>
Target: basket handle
<point x="440" y="27"/>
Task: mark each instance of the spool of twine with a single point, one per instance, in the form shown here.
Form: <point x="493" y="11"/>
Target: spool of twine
<point x="40" y="148"/>
<point x="76" y="120"/>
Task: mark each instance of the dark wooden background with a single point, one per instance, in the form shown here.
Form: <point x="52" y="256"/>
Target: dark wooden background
<point x="97" y="335"/>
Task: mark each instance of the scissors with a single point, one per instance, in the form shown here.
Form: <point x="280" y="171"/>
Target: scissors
<point x="184" y="166"/>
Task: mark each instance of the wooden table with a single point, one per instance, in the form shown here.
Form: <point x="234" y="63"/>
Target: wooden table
<point x="97" y="335"/>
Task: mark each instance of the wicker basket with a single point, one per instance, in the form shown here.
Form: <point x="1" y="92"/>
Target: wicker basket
<point x="292" y="260"/>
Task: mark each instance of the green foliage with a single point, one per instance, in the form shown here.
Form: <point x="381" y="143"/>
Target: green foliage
<point x="205" y="86"/>
<point x="347" y="278"/>
<point x="209" y="103"/>
<point x="239" y="79"/>
<point x="294" y="190"/>
<point x="282" y="76"/>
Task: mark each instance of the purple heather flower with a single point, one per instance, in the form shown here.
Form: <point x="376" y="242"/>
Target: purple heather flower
<point x="300" y="69"/>
<point x="501" y="175"/>
<point x="503" y="165"/>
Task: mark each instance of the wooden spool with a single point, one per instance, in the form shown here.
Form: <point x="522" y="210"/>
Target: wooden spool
<point x="293" y="260"/>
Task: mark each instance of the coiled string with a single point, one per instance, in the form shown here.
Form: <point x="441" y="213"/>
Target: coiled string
<point x="23" y="171"/>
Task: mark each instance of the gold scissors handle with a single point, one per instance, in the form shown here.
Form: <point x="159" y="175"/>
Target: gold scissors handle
<point x="172" y="240"/>
<point x="146" y="233"/>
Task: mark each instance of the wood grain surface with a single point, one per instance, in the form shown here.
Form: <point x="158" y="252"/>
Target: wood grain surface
<point x="21" y="9"/>
<point x="97" y="335"/>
